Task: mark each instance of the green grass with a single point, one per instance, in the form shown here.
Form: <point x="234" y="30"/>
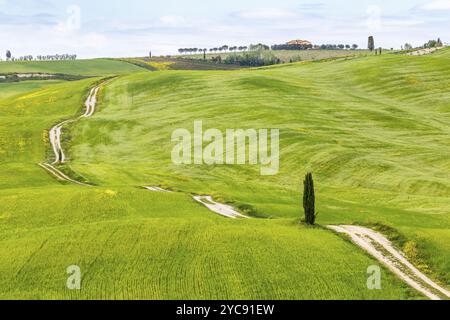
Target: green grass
<point x="10" y="90"/>
<point x="182" y="63"/>
<point x="94" y="67"/>
<point x="372" y="129"/>
<point x="134" y="244"/>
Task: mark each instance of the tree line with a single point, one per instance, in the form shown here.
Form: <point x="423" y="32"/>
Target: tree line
<point x="224" y="48"/>
<point x="260" y="46"/>
<point x="315" y="47"/>
<point x="430" y="44"/>
<point x="257" y="58"/>
<point x="56" y="57"/>
<point x="434" y="44"/>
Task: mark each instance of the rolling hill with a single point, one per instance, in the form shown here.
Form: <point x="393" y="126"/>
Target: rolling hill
<point x="373" y="130"/>
<point x="71" y="67"/>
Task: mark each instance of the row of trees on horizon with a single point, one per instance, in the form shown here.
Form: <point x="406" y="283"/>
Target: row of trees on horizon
<point x="56" y="57"/>
<point x="224" y="48"/>
<point x="430" y="44"/>
<point x="315" y="47"/>
<point x="260" y="46"/>
<point x="407" y="46"/>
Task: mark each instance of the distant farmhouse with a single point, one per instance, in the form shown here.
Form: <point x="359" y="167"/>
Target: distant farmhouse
<point x="305" y="43"/>
<point x="294" y="45"/>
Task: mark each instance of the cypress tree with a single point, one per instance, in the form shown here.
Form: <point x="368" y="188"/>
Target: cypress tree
<point x="309" y="200"/>
<point x="371" y="45"/>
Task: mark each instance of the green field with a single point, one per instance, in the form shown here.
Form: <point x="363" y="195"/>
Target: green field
<point x="178" y="63"/>
<point x="73" y="67"/>
<point x="289" y="55"/>
<point x="373" y="130"/>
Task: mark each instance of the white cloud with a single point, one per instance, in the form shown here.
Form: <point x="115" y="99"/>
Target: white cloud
<point x="267" y="14"/>
<point x="90" y="41"/>
<point x="172" y="21"/>
<point x="437" y="5"/>
<point x="402" y="23"/>
<point x="163" y="32"/>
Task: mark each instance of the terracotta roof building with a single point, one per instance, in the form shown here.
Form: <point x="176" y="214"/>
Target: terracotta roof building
<point x="299" y="43"/>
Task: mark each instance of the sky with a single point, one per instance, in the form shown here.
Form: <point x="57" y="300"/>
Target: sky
<point x="131" y="28"/>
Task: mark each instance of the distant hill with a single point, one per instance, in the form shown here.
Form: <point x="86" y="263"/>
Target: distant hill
<point x="93" y="67"/>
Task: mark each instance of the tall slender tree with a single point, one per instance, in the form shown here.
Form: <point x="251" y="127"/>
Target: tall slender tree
<point x="309" y="200"/>
<point x="371" y="45"/>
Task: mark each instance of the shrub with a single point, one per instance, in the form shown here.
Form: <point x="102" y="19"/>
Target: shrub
<point x="431" y="44"/>
<point x="258" y="47"/>
<point x="408" y="46"/>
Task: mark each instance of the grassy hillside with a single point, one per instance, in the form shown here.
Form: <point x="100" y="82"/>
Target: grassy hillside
<point x="196" y="61"/>
<point x="29" y="109"/>
<point x="373" y="130"/>
<point x="95" y="67"/>
<point x="179" y="63"/>
<point x="135" y="244"/>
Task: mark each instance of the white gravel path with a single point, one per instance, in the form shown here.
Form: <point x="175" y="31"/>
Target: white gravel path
<point x="157" y="189"/>
<point x="55" y="135"/>
<point x="59" y="175"/>
<point x="382" y="249"/>
<point x="219" y="208"/>
<point x="56" y="132"/>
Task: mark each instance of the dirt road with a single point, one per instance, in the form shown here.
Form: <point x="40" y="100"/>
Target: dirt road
<point x="56" y="132"/>
<point x="222" y="209"/>
<point x="382" y="249"/>
<point x="55" y="135"/>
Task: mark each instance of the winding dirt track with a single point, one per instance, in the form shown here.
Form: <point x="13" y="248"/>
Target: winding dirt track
<point x="59" y="175"/>
<point x="222" y="209"/>
<point x="56" y="132"/>
<point x="208" y="202"/>
<point x="382" y="249"/>
<point x="157" y="189"/>
<point x="55" y="135"/>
